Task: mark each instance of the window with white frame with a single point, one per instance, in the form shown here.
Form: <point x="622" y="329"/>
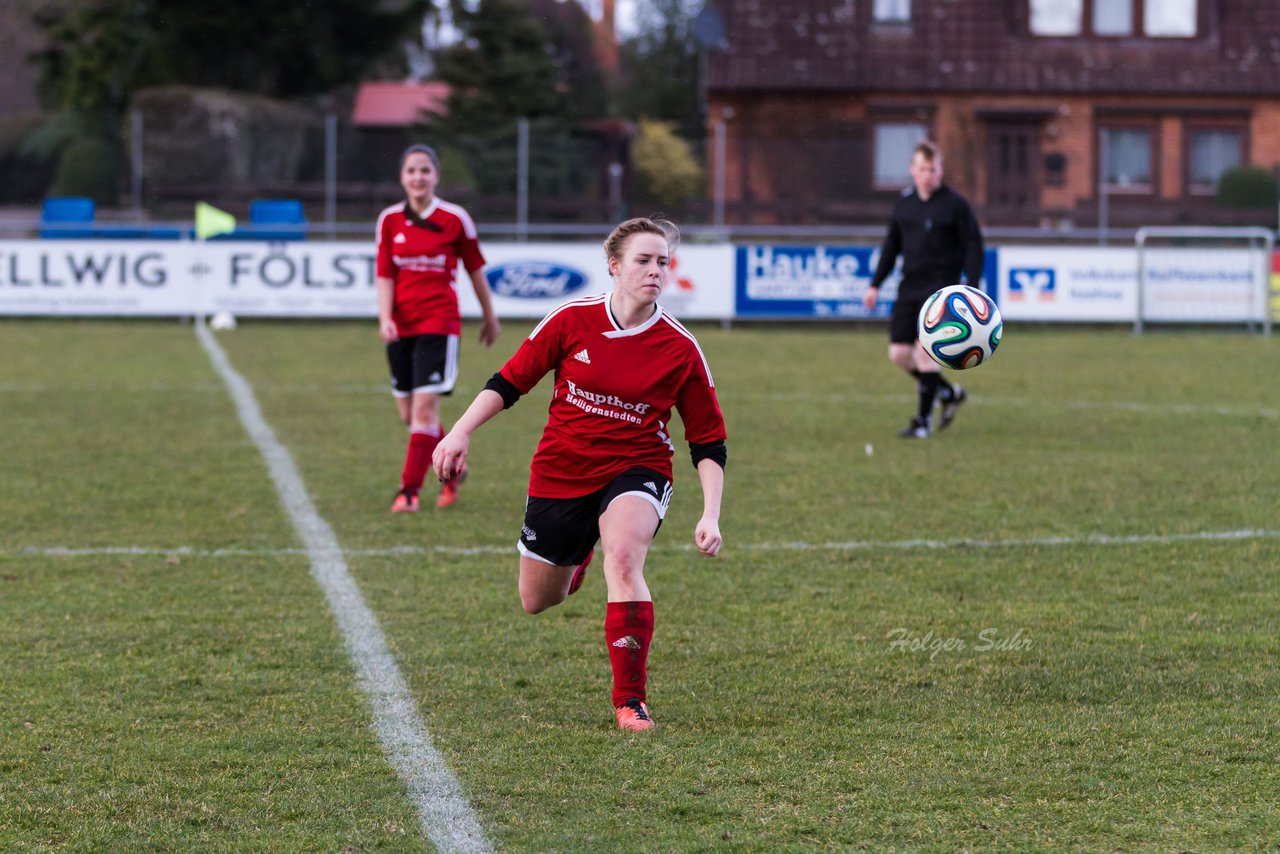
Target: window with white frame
<point x="1168" y="18"/>
<point x="1212" y="152"/>
<point x="1056" y="17"/>
<point x="1112" y="19"/>
<point x="891" y="11"/>
<point x="1158" y="18"/>
<point x="894" y="143"/>
<point x="1126" y="158"/>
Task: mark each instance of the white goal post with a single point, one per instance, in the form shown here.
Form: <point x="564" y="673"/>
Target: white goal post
<point x="1204" y="275"/>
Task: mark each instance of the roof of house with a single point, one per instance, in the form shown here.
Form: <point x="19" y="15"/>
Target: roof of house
<point x="985" y="46"/>
<point x="386" y="103"/>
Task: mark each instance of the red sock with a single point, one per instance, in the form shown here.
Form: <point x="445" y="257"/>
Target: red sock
<point x="422" y="444"/>
<point x="628" y="629"/>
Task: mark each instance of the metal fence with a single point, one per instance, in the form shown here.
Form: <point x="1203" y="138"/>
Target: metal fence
<point x="536" y="181"/>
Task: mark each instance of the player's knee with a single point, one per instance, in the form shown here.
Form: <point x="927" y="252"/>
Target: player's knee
<point x="626" y="564"/>
<point x="537" y="601"/>
<point x="536" y="606"/>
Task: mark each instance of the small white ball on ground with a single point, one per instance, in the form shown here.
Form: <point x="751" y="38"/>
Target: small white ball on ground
<point x="870" y="450"/>
<point x="222" y="320"/>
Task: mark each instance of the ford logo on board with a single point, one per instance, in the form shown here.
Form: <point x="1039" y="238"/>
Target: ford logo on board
<point x="534" y="280"/>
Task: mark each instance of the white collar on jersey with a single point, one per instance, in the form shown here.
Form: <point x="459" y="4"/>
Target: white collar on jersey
<point x="619" y="332"/>
<point x="431" y="208"/>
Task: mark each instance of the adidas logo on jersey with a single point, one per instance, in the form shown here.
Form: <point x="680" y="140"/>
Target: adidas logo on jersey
<point x="629" y="642"/>
<point x="582" y="356"/>
<point x="399" y="238"/>
<point x="651" y="486"/>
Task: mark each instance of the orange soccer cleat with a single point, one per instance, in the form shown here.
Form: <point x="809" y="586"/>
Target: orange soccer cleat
<point x="449" y="489"/>
<point x="580" y="573"/>
<point x="406" y="502"/>
<point x="633" y="716"/>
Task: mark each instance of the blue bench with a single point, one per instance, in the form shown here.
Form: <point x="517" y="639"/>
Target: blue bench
<point x="63" y="217"/>
<point x="67" y="216"/>
<point x="271" y="219"/>
<point x="72" y="217"/>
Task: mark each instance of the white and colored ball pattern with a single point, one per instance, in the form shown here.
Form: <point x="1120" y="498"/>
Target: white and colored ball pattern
<point x="959" y="327"/>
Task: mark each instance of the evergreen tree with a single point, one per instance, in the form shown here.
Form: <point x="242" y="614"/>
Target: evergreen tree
<point x="502" y="70"/>
<point x="573" y="47"/>
<point x="100" y="52"/>
<point x="661" y="68"/>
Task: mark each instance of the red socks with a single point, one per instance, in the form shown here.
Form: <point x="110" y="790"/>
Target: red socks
<point x="417" y="459"/>
<point x="628" y="629"/>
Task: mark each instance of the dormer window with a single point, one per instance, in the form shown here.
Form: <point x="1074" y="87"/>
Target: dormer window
<point x="896" y="12"/>
<point x="1114" y="18"/>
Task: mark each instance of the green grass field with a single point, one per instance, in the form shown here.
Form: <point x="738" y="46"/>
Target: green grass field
<point x="1053" y="627"/>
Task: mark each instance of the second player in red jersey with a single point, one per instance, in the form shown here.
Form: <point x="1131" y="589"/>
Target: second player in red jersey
<point x="419" y="244"/>
<point x="602" y="471"/>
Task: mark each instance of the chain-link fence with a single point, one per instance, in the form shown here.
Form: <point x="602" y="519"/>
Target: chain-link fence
<point x="179" y="146"/>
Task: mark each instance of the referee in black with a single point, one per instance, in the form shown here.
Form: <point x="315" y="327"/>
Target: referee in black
<point x="935" y="232"/>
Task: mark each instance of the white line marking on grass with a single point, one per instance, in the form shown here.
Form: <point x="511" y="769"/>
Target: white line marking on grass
<point x="852" y="545"/>
<point x="1146" y="408"/>
<point x="1086" y="540"/>
<point x="1235" y="411"/>
<point x="443" y="812"/>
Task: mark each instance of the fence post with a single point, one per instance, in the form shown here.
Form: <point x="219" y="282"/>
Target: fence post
<point x="522" y="179"/>
<point x="331" y="173"/>
<point x="615" y="191"/>
<point x="135" y="161"/>
<point x="717" y="216"/>
<point x="1103" y="202"/>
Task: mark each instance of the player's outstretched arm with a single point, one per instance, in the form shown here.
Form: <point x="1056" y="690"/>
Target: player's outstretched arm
<point x="706" y="535"/>
<point x="451" y="454"/>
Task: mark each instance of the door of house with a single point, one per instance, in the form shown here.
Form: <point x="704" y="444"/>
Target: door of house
<point x="1013" y="171"/>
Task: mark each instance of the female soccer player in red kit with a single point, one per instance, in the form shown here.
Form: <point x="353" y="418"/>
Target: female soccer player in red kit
<point x="419" y="244"/>
<point x="602" y="470"/>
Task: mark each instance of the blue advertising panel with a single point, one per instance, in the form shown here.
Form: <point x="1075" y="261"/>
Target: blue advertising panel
<point x="817" y="281"/>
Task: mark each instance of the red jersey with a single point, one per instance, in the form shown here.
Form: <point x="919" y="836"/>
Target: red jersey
<point x="614" y="391"/>
<point x="422" y="261"/>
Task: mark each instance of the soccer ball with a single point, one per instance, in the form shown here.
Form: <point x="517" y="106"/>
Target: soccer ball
<point x="959" y="327"/>
<point x="222" y="321"/>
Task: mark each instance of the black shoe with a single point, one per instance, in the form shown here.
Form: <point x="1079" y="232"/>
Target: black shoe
<point x="949" y="407"/>
<point x="917" y="429"/>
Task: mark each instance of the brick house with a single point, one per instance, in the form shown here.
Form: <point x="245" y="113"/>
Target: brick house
<point x="19" y="38"/>
<point x="1035" y="103"/>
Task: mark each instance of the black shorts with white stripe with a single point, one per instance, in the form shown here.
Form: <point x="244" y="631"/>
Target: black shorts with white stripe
<point x="563" y="531"/>
<point x="423" y="364"/>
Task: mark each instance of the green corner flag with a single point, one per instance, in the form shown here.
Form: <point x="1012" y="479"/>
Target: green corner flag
<point x="210" y="221"/>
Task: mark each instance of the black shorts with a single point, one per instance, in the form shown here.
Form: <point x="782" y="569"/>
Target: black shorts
<point x="423" y="364"/>
<point x="903" y="328"/>
<point x="563" y="531"/>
